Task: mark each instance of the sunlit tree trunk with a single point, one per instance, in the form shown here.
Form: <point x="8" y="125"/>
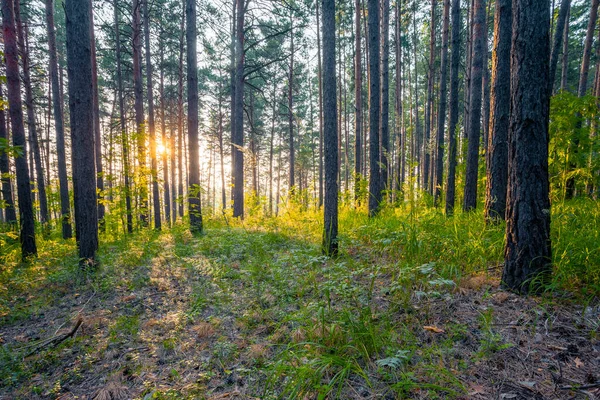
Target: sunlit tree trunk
<point x="238" y="132"/>
<point x="497" y="152"/>
<point x="81" y="103"/>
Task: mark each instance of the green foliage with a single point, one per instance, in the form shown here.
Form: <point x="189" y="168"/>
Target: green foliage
<point x="574" y="141"/>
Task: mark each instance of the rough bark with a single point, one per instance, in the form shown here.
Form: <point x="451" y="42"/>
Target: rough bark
<point x="474" y="132"/>
<point x="497" y="152"/>
<point x="399" y="178"/>
<point x="527" y="253"/>
<point x="330" y="241"/>
<point x="81" y="103"/>
<point x="180" y="120"/>
<point x="375" y="188"/>
<point x="441" y="120"/>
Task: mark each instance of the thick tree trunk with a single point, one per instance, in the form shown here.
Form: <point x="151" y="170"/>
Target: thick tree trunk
<point x="63" y="183"/>
<point x="558" y="37"/>
<point x="151" y="125"/>
<point x="497" y="152"/>
<point x="375" y="189"/>
<point x="330" y="241"/>
<point x="26" y="218"/>
<point x="441" y="120"/>
<point x="138" y="92"/>
<point x="31" y="123"/>
<point x="470" y="192"/>
<point x="384" y="136"/>
<point x="238" y="133"/>
<point x="527" y="255"/>
<point x="7" y="195"/>
<point x="358" y="102"/>
<point x="124" y="139"/>
<point x="81" y="103"/>
<point x="194" y="193"/>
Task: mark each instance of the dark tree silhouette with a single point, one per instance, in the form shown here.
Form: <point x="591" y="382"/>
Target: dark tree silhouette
<point x="375" y="188"/>
<point x="330" y="230"/>
<point x="527" y="254"/>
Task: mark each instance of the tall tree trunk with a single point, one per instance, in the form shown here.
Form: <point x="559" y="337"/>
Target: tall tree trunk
<point x="385" y="96"/>
<point x="441" y="120"/>
<point x="399" y="180"/>
<point x="320" y="72"/>
<point x="429" y="104"/>
<point x="527" y="255"/>
<point x="417" y="134"/>
<point x="138" y="92"/>
<point x="63" y="183"/>
<point x="375" y="189"/>
<point x="124" y="139"/>
<point x="291" y="109"/>
<point x="565" y="54"/>
<point x="558" y="37"/>
<point x="222" y="155"/>
<point x="330" y="230"/>
<point x="485" y="118"/>
<point x="7" y="195"/>
<point x="194" y="193"/>
<point x="26" y="218"/>
<point x="151" y="128"/>
<point x="238" y="133"/>
<point x="358" y="101"/>
<point x="164" y="138"/>
<point x="271" y="145"/>
<point x="81" y="103"/>
<point x="582" y="90"/>
<point x="180" y="120"/>
<point x="497" y="152"/>
<point x="31" y="123"/>
<point x="97" y="133"/>
<point x="470" y="193"/>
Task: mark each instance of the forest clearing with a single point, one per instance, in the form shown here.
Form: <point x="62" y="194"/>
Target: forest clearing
<point x="300" y="199"/>
<point x="411" y="309"/>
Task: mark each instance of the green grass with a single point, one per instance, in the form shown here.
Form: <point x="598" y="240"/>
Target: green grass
<point x="305" y="325"/>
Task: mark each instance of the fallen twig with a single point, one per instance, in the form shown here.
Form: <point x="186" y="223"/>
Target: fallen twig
<point x="56" y="340"/>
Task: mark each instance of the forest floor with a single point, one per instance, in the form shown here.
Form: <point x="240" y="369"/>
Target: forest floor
<point x="255" y="312"/>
